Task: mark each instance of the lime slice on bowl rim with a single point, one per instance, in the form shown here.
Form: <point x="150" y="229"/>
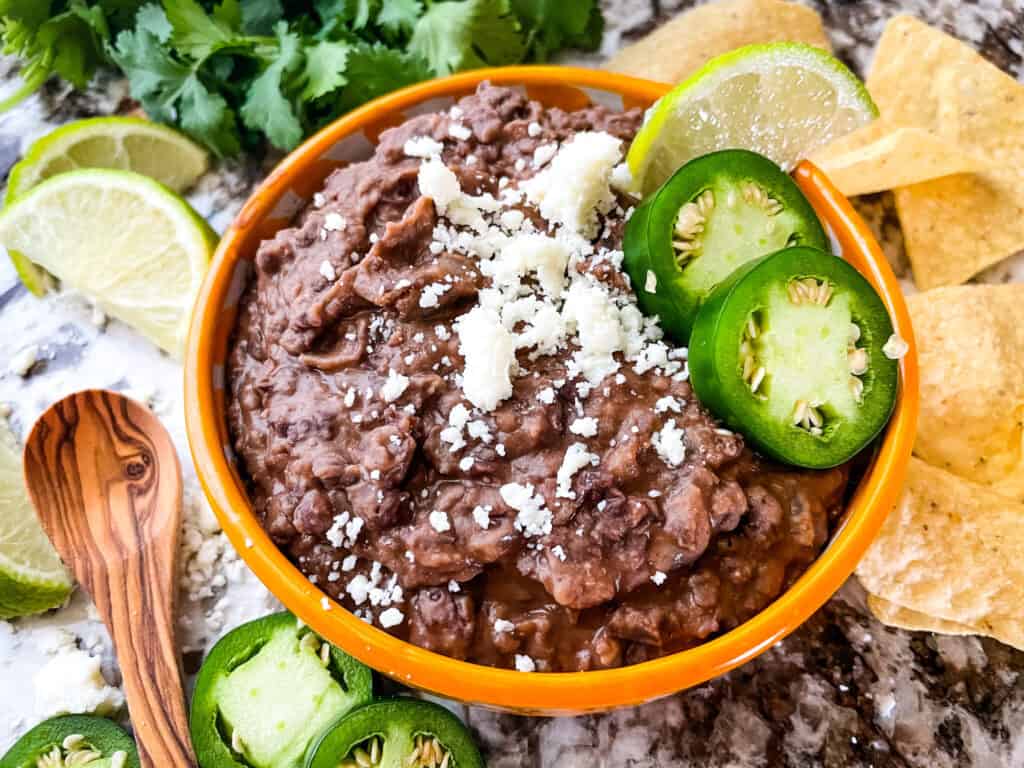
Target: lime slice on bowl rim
<point x="781" y="100"/>
<point x="127" y="242"/>
<point x="32" y="578"/>
<point x="125" y="143"/>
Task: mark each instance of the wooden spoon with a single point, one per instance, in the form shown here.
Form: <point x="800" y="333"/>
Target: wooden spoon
<point x="105" y="480"/>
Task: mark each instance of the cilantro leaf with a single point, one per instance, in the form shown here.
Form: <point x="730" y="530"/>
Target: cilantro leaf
<point x="399" y="16"/>
<point x="374" y="70"/>
<point x="462" y="35"/>
<point x="152" y="18"/>
<point x="354" y="12"/>
<point x="260" y="16"/>
<point x="266" y="107"/>
<point x="207" y="117"/>
<point x="196" y="34"/>
<point x="325" y="68"/>
<point x="229" y="13"/>
<point x="551" y="25"/>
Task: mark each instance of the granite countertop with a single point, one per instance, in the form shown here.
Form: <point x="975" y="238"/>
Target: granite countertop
<point x="841" y="691"/>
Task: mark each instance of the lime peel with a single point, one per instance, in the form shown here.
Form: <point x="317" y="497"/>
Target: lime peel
<point x="802" y="97"/>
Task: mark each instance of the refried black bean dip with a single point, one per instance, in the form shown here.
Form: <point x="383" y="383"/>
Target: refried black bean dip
<point x="458" y="424"/>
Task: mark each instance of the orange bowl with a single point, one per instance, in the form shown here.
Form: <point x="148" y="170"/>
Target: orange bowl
<point x="272" y="207"/>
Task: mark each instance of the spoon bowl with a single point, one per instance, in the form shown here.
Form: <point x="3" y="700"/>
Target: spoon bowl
<point x="105" y="480"/>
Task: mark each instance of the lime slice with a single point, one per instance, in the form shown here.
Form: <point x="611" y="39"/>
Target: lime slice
<point x="781" y="100"/>
<point x="127" y="242"/>
<point x="125" y="143"/>
<point x="122" y="143"/>
<point x="32" y="578"/>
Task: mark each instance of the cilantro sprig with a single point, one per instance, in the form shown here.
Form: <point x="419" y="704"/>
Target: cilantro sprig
<point x="232" y="73"/>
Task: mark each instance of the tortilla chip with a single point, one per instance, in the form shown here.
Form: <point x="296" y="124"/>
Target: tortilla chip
<point x="882" y="156"/>
<point x="970" y="346"/>
<point x="957" y="225"/>
<point x="954" y="550"/>
<point x="903" y="618"/>
<point x="677" y="49"/>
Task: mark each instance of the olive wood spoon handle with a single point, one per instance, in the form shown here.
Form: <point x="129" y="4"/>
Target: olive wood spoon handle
<point x="104" y="477"/>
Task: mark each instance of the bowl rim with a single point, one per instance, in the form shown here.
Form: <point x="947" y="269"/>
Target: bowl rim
<point x="542" y="693"/>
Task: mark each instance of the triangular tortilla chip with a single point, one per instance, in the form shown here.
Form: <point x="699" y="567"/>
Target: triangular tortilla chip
<point x="903" y="618"/>
<point x="957" y="225"/>
<point x="970" y="348"/>
<point x="954" y="550"/>
<point x="679" y="48"/>
<point x="882" y="156"/>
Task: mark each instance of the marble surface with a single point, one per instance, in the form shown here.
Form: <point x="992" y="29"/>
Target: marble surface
<point x="841" y="691"/>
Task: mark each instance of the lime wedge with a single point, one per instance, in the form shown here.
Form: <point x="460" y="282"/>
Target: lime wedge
<point x="127" y="242"/>
<point x="32" y="578"/>
<point x="121" y="143"/>
<point x="125" y="143"/>
<point x="781" y="100"/>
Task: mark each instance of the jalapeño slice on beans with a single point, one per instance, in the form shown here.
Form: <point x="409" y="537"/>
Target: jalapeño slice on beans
<point x="397" y="733"/>
<point x="266" y="690"/>
<point x="73" y="740"/>
<point x="788" y="351"/>
<point x="714" y="214"/>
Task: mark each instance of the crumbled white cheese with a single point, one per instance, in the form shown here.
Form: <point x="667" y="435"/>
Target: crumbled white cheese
<point x="668" y="403"/>
<point x="669" y="444"/>
<point x="439" y="183"/>
<point x="334" y="222"/>
<point x="533" y="518"/>
<point x="327" y="271"/>
<point x="466" y="463"/>
<point x="422" y="146"/>
<point x="454" y="586"/>
<point x="71" y="683"/>
<point x="651" y="356"/>
<point x="576" y="458"/>
<point x="574" y="188"/>
<point x="429" y="296"/>
<point x="585" y="427"/>
<point x="531" y="253"/>
<point x="622" y="179"/>
<point x="439" y="521"/>
<point x="525" y="663"/>
<point x="350" y="398"/>
<point x="658" y="578"/>
<point x="23" y="361"/>
<point x="459" y="131"/>
<point x="392" y="617"/>
<point x="442" y="332"/>
<point x="319" y="200"/>
<point x="479" y="430"/>
<point x="591" y="312"/>
<point x="482" y="517"/>
<point x="511" y="220"/>
<point x="533" y="130"/>
<point x="489" y="350"/>
<point x="546" y="396"/>
<point x="395" y="385"/>
<point x="452" y="434"/>
<point x="651" y="282"/>
<point x="559" y="551"/>
<point x="349" y="563"/>
<point x="543" y="154"/>
<point x="504" y="625"/>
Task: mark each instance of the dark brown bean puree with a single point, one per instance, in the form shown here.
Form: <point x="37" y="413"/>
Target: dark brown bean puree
<point x="728" y="530"/>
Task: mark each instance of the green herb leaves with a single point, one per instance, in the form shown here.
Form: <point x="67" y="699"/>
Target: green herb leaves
<point x="234" y="72"/>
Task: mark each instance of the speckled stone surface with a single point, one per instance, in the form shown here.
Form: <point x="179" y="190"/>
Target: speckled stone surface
<point x="841" y="691"/>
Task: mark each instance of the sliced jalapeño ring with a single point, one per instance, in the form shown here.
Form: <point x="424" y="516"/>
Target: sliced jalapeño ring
<point x="789" y="352"/>
<point x="713" y="215"/>
<point x="73" y="740"/>
<point x="397" y="733"/>
<point x="267" y="690"/>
